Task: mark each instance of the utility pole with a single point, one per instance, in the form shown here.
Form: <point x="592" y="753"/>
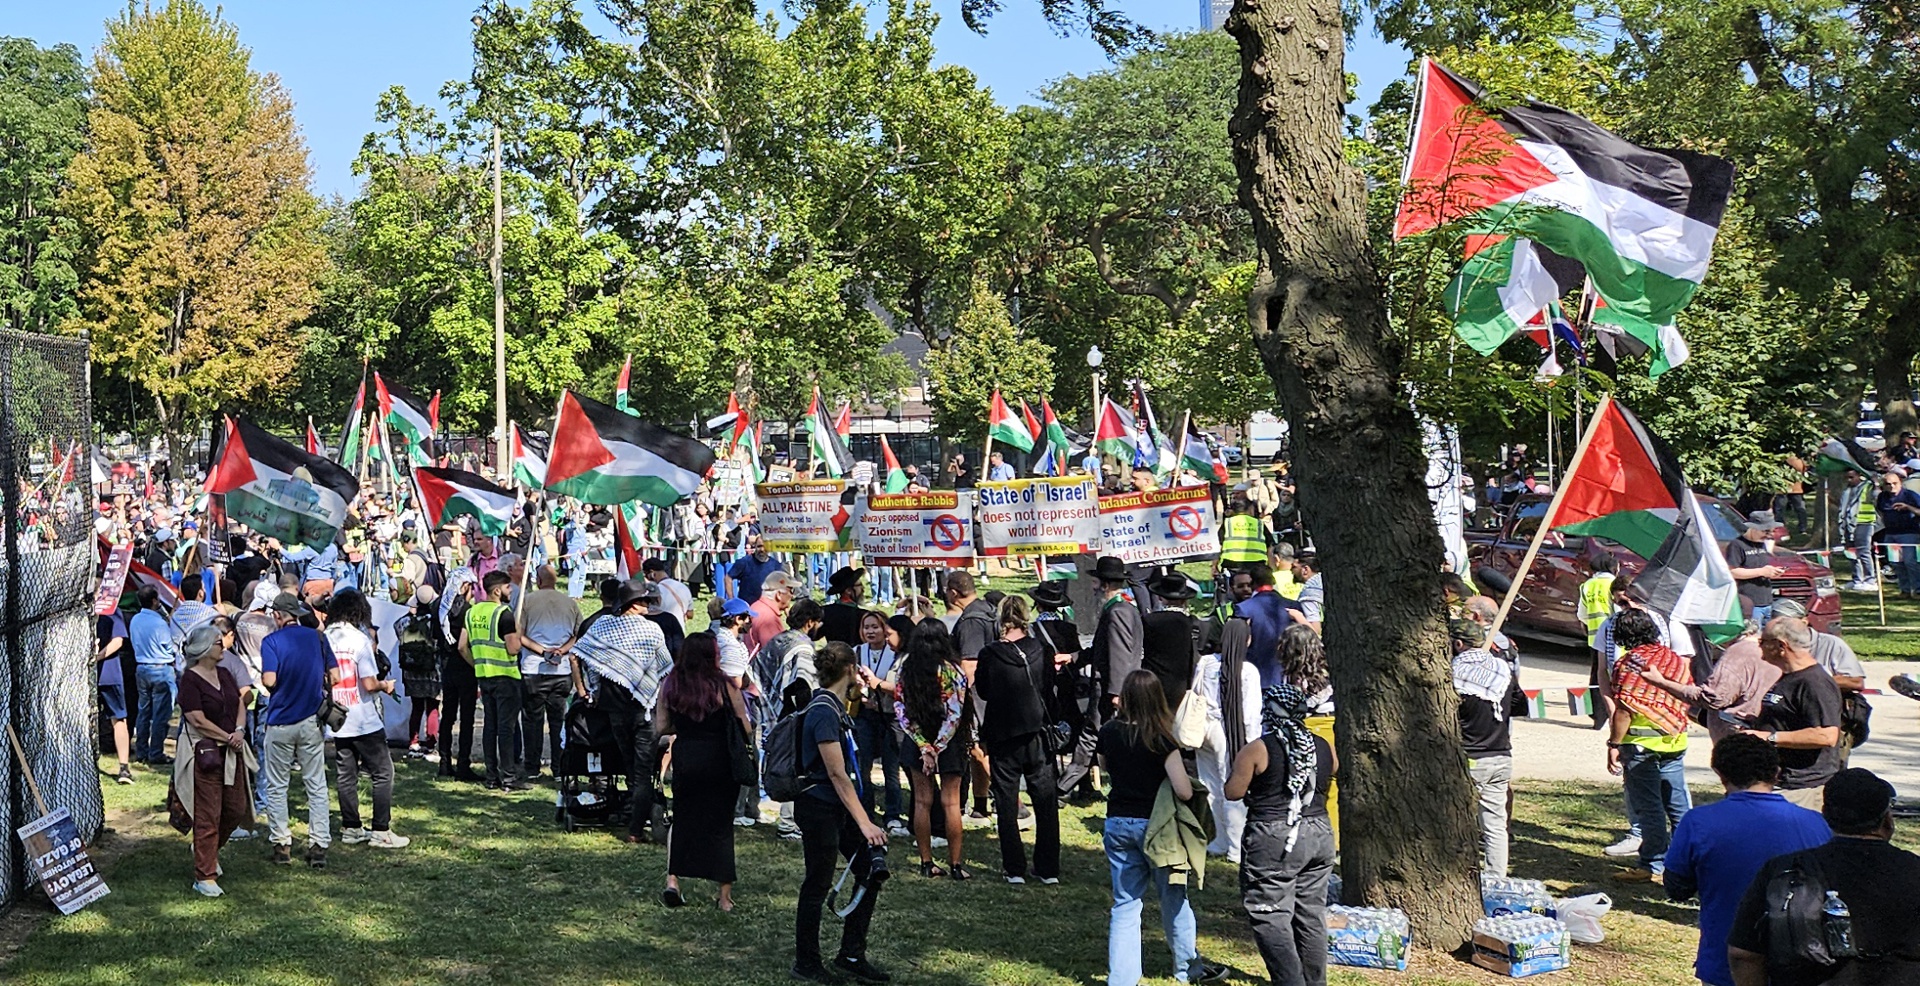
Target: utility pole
<point x="499" y="325"/>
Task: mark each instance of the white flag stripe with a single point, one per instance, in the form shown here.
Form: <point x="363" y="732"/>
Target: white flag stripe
<point x="632" y="460"/>
<point x="1681" y="247"/>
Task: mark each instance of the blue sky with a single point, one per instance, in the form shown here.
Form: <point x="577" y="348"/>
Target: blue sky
<point x="335" y="57"/>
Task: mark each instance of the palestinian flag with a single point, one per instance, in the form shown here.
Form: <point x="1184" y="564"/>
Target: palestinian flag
<point x="140" y="576"/>
<point x="626" y="547"/>
<point x="1199" y="455"/>
<point x="843" y="422"/>
<point x="278" y="489"/>
<point x="1626" y="486"/>
<point x="824" y="442"/>
<point x="407" y="416"/>
<point x="620" y="401"/>
<point x="1838" y="455"/>
<point x="731" y="425"/>
<point x="1004" y="427"/>
<point x="449" y="493"/>
<point x="433" y="412"/>
<point x="1052" y="439"/>
<point x="1641" y="222"/>
<point x="1115" y="433"/>
<point x="896" y="480"/>
<point x="1156" y="453"/>
<point x="529" y="460"/>
<point x="603" y="456"/>
<point x="313" y="439"/>
<point x="351" y="436"/>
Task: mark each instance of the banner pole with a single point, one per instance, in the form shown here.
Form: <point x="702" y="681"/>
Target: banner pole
<point x="1546" y="520"/>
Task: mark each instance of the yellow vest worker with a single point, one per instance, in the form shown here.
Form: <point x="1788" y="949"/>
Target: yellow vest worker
<point x="488" y="644"/>
<point x="1242" y="541"/>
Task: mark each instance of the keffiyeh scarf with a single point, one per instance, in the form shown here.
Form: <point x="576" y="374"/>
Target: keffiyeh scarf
<point x="1480" y="673"/>
<point x="629" y="651"/>
<point x="1283" y="713"/>
<point x="457" y="582"/>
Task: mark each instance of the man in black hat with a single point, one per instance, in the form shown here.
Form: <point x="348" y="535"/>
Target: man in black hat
<point x="1170" y="638"/>
<point x="1750" y="557"/>
<point x="1116" y="653"/>
<point x="848" y="587"/>
<point x="1876" y="882"/>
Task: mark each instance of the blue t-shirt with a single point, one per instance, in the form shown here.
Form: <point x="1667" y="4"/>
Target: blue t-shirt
<point x="105" y="629"/>
<point x="299" y="657"/>
<point x="748" y="572"/>
<point x="1719" y="848"/>
<point x="1897" y="521"/>
<point x="152" y="639"/>
<point x="1267" y="613"/>
<point x="823" y="725"/>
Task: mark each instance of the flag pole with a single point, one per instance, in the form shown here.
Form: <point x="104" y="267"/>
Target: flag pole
<point x="1546" y="520"/>
<point x="1180" y="456"/>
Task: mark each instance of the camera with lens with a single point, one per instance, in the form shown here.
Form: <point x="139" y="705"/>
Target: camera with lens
<point x="877" y="864"/>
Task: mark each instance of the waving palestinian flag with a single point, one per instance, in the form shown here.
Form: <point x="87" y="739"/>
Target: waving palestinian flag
<point x="313" y="439"/>
<point x="277" y="488"/>
<point x="603" y="456"/>
<point x="1198" y="454"/>
<point x="1053" y="442"/>
<point x="351" y="436"/>
<point x="1536" y="182"/>
<point x="1627" y="487"/>
<point x="529" y="460"/>
<point x="449" y="493"/>
<point x="1116" y="433"/>
<point x="1005" y="427"/>
<point x="620" y="400"/>
<point x="824" y="441"/>
<point x="896" y="479"/>
<point x="407" y="416"/>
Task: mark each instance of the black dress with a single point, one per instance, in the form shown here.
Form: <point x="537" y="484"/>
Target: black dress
<point x="700" y="841"/>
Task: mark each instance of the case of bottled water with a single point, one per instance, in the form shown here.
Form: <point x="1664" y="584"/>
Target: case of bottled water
<point x="1521" y="944"/>
<point x="1368" y="937"/>
<point x="1501" y="896"/>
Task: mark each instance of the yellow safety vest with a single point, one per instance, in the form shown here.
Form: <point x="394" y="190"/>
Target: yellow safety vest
<point x="1596" y="600"/>
<point x="1643" y="733"/>
<point x="1864" y="514"/>
<point x="1242" y="541"/>
<point x="490" y="657"/>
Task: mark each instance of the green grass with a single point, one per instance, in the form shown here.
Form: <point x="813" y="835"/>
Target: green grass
<point x="491" y="891"/>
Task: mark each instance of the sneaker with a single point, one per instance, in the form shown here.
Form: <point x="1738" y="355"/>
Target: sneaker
<point x="515" y="784"/>
<point x="1634" y="874"/>
<point x="241" y="835"/>
<point x="1628" y="846"/>
<point x="974" y="821"/>
<point x="317" y="857"/>
<point x="354" y="837"/>
<point x="1210" y="973"/>
<point x="898" y="829"/>
<point x="861" y="969"/>
<point x="1016" y="880"/>
<point x="816" y="974"/>
<point x="1051" y="881"/>
<point x="787" y="830"/>
<point x="387" y="840"/>
<point x="1906" y="685"/>
<point x="745" y="821"/>
<point x="207" y="888"/>
<point x="937" y="842"/>
<point x="282" y="855"/>
<point x="125" y="776"/>
<point x="1025" y="812"/>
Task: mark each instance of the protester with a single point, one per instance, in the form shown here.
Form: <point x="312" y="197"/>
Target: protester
<point x="298" y="667"/>
<point x="489" y="639"/>
<point x="1138" y="753"/>
<point x="1213" y="680"/>
<point x="841" y="621"/>
<point x="1876" y="882"/>
<point x="1647" y="740"/>
<point x="933" y="712"/>
<point x="877" y="734"/>
<point x="459" y="687"/>
<point x="974" y="627"/>
<point x="1116" y="652"/>
<point x="623" y="658"/>
<point x="110" y="639"/>
<point x="1243" y="536"/>
<point x="1283" y="779"/>
<point x="1169" y="637"/>
<point x="1313" y="592"/>
<point x="746" y="576"/>
<point x="1801" y="712"/>
<point x="1596" y="605"/>
<point x="549" y="618"/>
<point x="361" y="742"/>
<point x="1732" y="697"/>
<point x="1014" y="677"/>
<point x="1898" y="510"/>
<point x="1268" y="615"/>
<point x="1858" y="523"/>
<point x="420" y="638"/>
<point x="698" y="708"/>
<point x="1487" y="688"/>
<point x="212" y="780"/>
<point x="833" y="825"/>
<point x="1718" y="848"/>
<point x="675" y="597"/>
<point x="155" y="656"/>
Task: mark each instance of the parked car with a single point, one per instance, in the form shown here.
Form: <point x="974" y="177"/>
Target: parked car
<point x="1549" y="600"/>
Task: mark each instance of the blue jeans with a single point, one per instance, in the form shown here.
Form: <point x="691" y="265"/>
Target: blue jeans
<point x="1906" y="566"/>
<point x="1126" y="845"/>
<point x="1761" y="614"/>
<point x="157" y="688"/>
<point x="1657" y="794"/>
<point x="878" y="741"/>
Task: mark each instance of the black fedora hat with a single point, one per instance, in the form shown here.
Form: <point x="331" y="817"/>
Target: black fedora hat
<point x="1051" y="593"/>
<point x="638" y="590"/>
<point x="844" y="579"/>
<point x="1109" y="569"/>
<point x="1171" y="587"/>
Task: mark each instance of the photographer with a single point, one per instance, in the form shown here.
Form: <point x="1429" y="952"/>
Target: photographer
<point x="833" y="824"/>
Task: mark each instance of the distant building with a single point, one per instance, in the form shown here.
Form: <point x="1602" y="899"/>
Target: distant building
<point x="1213" y="13"/>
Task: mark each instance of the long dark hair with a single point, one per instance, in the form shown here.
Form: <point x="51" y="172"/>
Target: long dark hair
<point x="695" y="688"/>
<point x="1303" y="658"/>
<point x="1144" y="712"/>
<point x="349" y="608"/>
<point x="930" y="647"/>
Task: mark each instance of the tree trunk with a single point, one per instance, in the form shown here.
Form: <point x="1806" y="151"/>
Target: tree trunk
<point x="1409" y="834"/>
<point x="1893" y="376"/>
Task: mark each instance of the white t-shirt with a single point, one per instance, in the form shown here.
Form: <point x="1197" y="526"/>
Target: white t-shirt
<point x="353" y="654"/>
<point x="675" y="598"/>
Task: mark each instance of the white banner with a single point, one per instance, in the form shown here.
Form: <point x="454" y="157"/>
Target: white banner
<point x="1160" y="527"/>
<point x="1046" y="516"/>
<point x="805" y="515"/>
<point x="916" y="530"/>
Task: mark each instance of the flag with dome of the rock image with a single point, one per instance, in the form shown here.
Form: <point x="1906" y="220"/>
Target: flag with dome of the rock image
<point x="1529" y="182"/>
<point x="277" y="488"/>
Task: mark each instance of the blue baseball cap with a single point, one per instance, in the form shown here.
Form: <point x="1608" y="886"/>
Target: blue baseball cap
<point x="735" y="607"/>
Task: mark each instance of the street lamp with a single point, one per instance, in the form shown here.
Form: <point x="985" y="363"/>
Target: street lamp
<point x="503" y="448"/>
<point x="1094" y="358"/>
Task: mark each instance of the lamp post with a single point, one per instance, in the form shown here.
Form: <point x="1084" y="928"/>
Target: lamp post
<point x="1094" y="358"/>
<point x="503" y="452"/>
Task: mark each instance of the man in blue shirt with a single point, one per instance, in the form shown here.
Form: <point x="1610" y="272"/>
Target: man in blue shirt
<point x="1267" y="613"/>
<point x="998" y="470"/>
<point x="154" y="654"/>
<point x="745" y="575"/>
<point x="1899" y="511"/>
<point x="1718" y="848"/>
<point x="297" y="666"/>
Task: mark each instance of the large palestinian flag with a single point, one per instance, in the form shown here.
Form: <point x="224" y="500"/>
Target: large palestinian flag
<point x="277" y="489"/>
<point x="1116" y="433"/>
<point x="1837" y="455"/>
<point x="1532" y="181"/>
<point x="1627" y="487"/>
<point x="601" y="455"/>
<point x="407" y="416"/>
<point x="449" y="493"/>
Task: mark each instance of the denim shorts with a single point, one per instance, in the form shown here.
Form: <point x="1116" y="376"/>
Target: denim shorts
<point x="113" y="698"/>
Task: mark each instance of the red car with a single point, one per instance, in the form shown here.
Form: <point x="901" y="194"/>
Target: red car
<point x="1549" y="601"/>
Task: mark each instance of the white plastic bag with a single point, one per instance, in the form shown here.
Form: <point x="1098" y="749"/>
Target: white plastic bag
<point x="1582" y="917"/>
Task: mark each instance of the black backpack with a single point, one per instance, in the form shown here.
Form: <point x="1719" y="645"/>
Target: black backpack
<point x="420" y="645"/>
<point x="780" y="771"/>
<point x="1795" y="922"/>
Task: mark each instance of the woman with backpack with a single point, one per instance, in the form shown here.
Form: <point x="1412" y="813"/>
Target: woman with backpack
<point x="1014" y="674"/>
<point x="932" y="710"/>
<point x="696" y="709"/>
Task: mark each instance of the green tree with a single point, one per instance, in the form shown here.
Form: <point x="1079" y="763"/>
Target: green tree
<point x="202" y="241"/>
<point x="986" y="352"/>
<point x="43" y="115"/>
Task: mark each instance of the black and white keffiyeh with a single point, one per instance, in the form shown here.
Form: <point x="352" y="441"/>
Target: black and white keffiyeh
<point x="629" y="651"/>
<point x="457" y="582"/>
<point x="1283" y="713"/>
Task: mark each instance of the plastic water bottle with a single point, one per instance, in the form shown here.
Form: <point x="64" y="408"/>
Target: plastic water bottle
<point x="1839" y="928"/>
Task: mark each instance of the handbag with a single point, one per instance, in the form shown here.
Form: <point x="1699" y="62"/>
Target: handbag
<point x="332" y="714"/>
<point x="1190" y="720"/>
<point x="1856" y="717"/>
<point x="740" y="759"/>
<point x="1055" y="736"/>
<point x="176" y="812"/>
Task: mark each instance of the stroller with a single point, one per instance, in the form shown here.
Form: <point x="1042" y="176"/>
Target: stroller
<point x="591" y="772"/>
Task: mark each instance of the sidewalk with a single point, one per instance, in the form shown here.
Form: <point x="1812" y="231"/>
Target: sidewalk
<point x="1563" y="747"/>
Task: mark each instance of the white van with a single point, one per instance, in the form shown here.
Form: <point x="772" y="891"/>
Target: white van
<point x="1266" y="436"/>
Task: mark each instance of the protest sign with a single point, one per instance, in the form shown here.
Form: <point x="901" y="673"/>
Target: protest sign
<point x="805" y="515"/>
<point x="60" y="862"/>
<point x="1048" y="516"/>
<point x="1160" y="527"/>
<point x="729" y="483"/>
<point x="113" y="580"/>
<point x="916" y="530"/>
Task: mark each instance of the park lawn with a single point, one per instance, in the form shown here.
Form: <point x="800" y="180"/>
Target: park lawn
<point x="491" y="891"/>
<point x="1860" y="612"/>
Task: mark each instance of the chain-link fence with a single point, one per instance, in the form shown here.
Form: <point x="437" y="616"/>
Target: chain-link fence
<point x="47" y="561"/>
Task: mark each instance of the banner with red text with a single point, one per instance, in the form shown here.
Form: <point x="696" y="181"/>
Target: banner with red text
<point x="1160" y="527"/>
<point x="916" y="530"/>
<point x="805" y="515"/>
<point x="1043" y="516"/>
